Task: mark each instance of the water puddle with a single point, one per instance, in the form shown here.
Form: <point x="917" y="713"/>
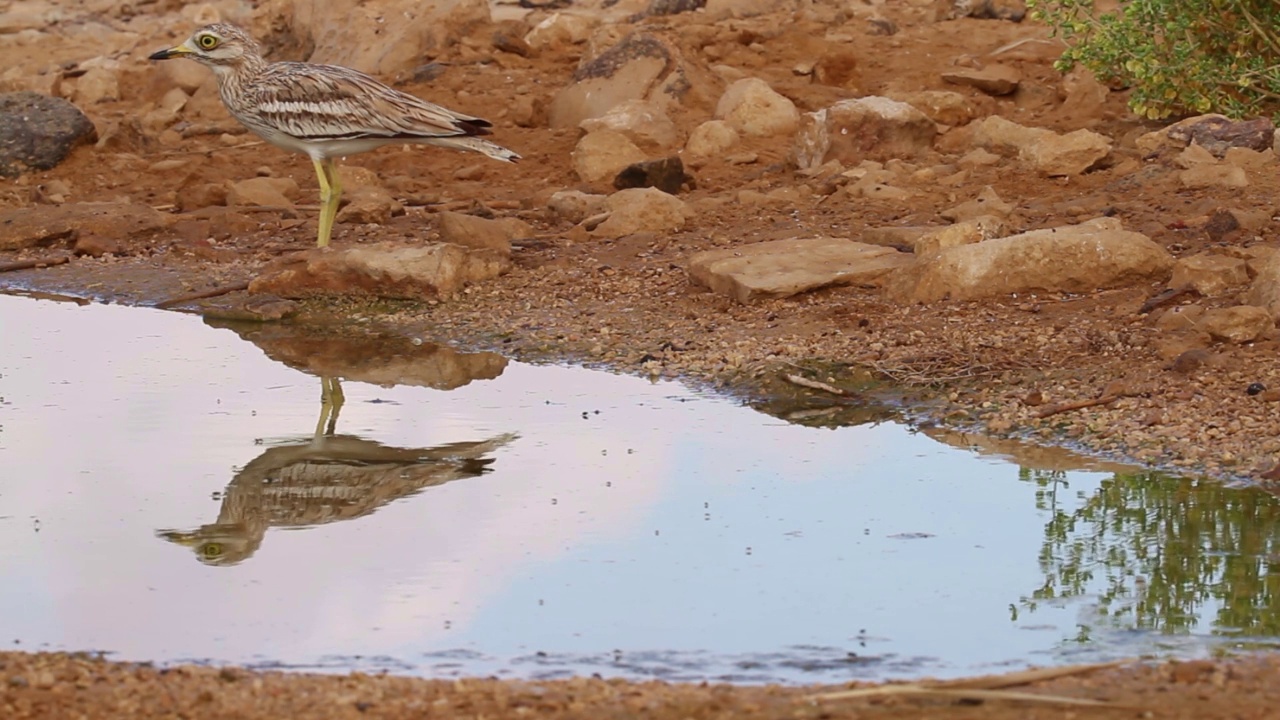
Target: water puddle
<point x="177" y="491"/>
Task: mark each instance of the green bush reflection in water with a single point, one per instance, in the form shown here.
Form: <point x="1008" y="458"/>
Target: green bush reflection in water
<point x="1158" y="552"/>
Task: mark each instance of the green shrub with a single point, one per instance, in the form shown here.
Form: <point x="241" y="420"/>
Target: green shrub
<point x="1180" y="57"/>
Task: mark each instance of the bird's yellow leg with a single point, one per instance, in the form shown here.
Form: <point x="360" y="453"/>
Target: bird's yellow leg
<point x="330" y="193"/>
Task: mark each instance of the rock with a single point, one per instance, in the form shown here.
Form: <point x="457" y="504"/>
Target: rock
<point x="641" y="66"/>
<point x="900" y="238"/>
<point x="1239" y="324"/>
<point x="165" y="112"/>
<point x="1048" y="152"/>
<point x="873" y="190"/>
<point x="1257" y="257"/>
<point x="384" y="270"/>
<point x="1209" y="274"/>
<point x="1194" y="155"/>
<point x="250" y="309"/>
<point x="560" y="30"/>
<point x="599" y="156"/>
<point x="38" y="132"/>
<point x="1011" y="10"/>
<point x="726" y="9"/>
<point x="657" y="8"/>
<point x="529" y="111"/>
<point x="25" y="17"/>
<point x="511" y="43"/>
<point x="837" y="68"/>
<point x="1190" y="360"/>
<point x="874" y="128"/>
<point x="1083" y="97"/>
<point x="44" y="225"/>
<point x="477" y="232"/>
<point x="978" y="158"/>
<point x="1075" y="258"/>
<point x="355" y="177"/>
<point x="1209" y="176"/>
<point x="988" y="202"/>
<point x="666" y="174"/>
<point x="643" y="210"/>
<point x="1180" y="319"/>
<point x="711" y="139"/>
<point x="1221" y="225"/>
<point x="1249" y="159"/>
<point x="574" y="205"/>
<point x="1216" y="133"/>
<point x="992" y="79"/>
<point x="1265" y="290"/>
<point x="98" y="84"/>
<point x="1252" y="220"/>
<point x="641" y="121"/>
<point x="1076" y="152"/>
<point x="263" y="192"/>
<point x="966" y="232"/>
<point x="782" y="268"/>
<point x="186" y="76"/>
<point x="751" y="107"/>
<point x="368" y="204"/>
<point x="943" y="106"/>
<point x="1003" y="136"/>
<point x="195" y="228"/>
<point x="196" y="195"/>
<point x="787" y="197"/>
<point x="97" y="246"/>
<point x="358" y="34"/>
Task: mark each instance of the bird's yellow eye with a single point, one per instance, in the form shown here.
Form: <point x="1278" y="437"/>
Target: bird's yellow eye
<point x="211" y="550"/>
<point x="208" y="42"/>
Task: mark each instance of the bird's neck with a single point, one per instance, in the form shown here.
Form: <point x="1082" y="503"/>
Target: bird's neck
<point x="233" y="76"/>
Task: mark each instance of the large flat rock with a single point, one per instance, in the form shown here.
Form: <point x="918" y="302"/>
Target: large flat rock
<point x="782" y="268"/>
<point x="386" y="270"/>
<point x="1074" y="258"/>
<point x="45" y="225"/>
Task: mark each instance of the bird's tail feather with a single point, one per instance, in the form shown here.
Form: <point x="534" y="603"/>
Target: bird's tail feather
<point x="475" y="144"/>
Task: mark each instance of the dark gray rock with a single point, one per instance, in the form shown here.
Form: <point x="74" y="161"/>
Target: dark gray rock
<point x="1218" y="134"/>
<point x="666" y="174"/>
<point x="37" y="132"/>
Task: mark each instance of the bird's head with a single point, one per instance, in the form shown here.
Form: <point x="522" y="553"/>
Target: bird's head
<point x="216" y="544"/>
<point x="221" y="46"/>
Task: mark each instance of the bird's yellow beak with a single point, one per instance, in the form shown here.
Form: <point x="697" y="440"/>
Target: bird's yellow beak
<point x="172" y="52"/>
<point x="185" y="539"/>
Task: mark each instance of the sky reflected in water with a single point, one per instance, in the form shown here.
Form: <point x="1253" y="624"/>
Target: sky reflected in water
<point x="166" y="496"/>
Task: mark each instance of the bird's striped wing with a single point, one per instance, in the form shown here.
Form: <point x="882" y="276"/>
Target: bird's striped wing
<point x="326" y="102"/>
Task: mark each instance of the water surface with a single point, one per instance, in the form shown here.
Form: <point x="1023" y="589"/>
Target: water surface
<point x="176" y="491"/>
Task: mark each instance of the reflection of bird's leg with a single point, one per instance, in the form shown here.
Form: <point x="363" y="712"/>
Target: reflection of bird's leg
<point x="331" y="399"/>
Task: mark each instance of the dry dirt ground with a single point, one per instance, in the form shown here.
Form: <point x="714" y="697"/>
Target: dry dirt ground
<point x="627" y="304"/>
<point x="70" y="686"/>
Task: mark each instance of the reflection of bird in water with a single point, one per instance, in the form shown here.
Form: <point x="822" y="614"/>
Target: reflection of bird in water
<point x="331" y="399"/>
<point x="325" y="479"/>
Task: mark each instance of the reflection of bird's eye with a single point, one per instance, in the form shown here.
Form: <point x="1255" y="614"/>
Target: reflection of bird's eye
<point x="211" y="550"/>
<point x="208" y="42"/>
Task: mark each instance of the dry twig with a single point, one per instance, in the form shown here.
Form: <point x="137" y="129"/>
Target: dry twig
<point x="813" y="384"/>
<point x="988" y="687"/>
<point x="1105" y="399"/>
